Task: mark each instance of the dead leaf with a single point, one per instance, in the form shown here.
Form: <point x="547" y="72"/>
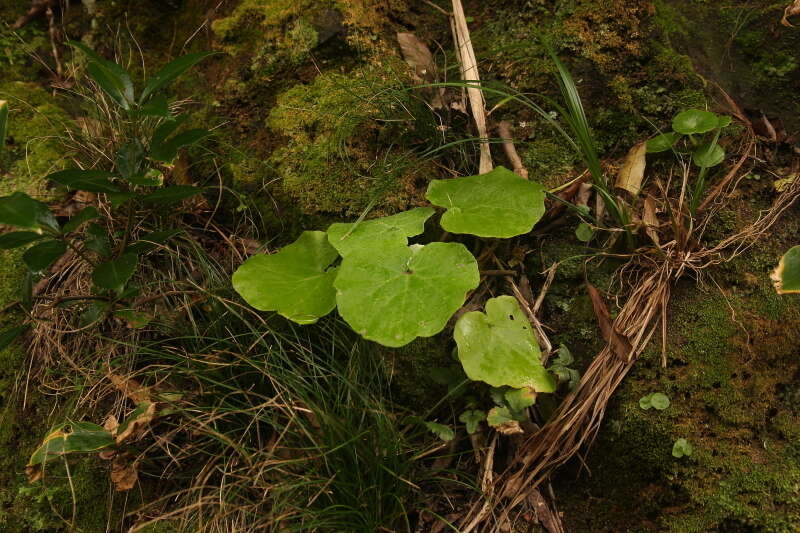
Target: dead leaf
<point x="111" y="424"/>
<point x="650" y="219"/>
<point x="34" y="473"/>
<point x="790" y="11"/>
<point x="136" y="423"/>
<point x="511" y="427"/>
<point x="631" y="174"/>
<point x="124" y="473"/>
<point x="619" y="344"/>
<point x="131" y="388"/>
<point x="419" y="57"/>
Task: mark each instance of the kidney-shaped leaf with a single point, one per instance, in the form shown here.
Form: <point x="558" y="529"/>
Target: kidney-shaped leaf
<point x="394" y="294"/>
<point x="499" y="347"/>
<point x="496" y="204"/>
<point x="296" y="282"/>
<point x="380" y="232"/>
<point x="708" y="155"/>
<point x="695" y="121"/>
<point x="787" y="275"/>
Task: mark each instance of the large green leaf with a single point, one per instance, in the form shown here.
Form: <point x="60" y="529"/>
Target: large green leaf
<point x="379" y="232"/>
<point x="496" y="204"/>
<point x="787" y="275"/>
<point x="22" y="211"/>
<point x="394" y="294"/>
<point x="114" y="274"/>
<point x="85" y="180"/>
<point x="78" y="437"/>
<point x="695" y="121"/>
<point x="170" y="72"/>
<point x="296" y="282"/>
<point x="41" y="256"/>
<point x="499" y="347"/>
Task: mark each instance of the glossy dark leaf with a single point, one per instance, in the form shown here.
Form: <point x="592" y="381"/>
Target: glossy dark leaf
<point x="85" y="180"/>
<point x="169" y="195"/>
<point x="84" y="215"/>
<point x="156" y="107"/>
<point x="22" y="211"/>
<point x="114" y="274"/>
<point x="111" y="77"/>
<point x="168" y="150"/>
<point x="170" y="72"/>
<point x="97" y="240"/>
<point x="15" y="239"/>
<point x="39" y="257"/>
<point x="129" y="159"/>
<point x="150" y="241"/>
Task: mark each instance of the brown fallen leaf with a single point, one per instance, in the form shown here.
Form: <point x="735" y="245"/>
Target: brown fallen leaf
<point x="790" y="11"/>
<point x="419" y="57"/>
<point x="136" y="423"/>
<point x="124" y="473"/>
<point x="618" y="342"/>
<point x="511" y="427"/>
<point x="631" y="174"/>
<point x="131" y="388"/>
<point x="650" y="219"/>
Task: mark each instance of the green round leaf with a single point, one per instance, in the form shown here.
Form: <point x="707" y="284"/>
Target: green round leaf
<point x="659" y="401"/>
<point x="498" y="416"/>
<point x="114" y="274"/>
<point x="394" y="294"/>
<point x="787" y="275"/>
<point x="296" y="281"/>
<point x="708" y="155"/>
<point x="681" y="448"/>
<point x="496" y="204"/>
<point x="663" y="142"/>
<point x="499" y="347"/>
<point x="15" y="239"/>
<point x="584" y="232"/>
<point x="39" y="257"/>
<point x="724" y="121"/>
<point x="695" y="121"/>
<point x="471" y="419"/>
<point x="379" y="232"/>
<point x="645" y="402"/>
<point x="520" y="399"/>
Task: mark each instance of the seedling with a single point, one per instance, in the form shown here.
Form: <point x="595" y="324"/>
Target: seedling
<point x="682" y="448"/>
<point x="656" y="400"/>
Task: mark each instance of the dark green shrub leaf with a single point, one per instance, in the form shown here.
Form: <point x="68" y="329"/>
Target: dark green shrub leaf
<point x="93" y="313"/>
<point x="158" y="106"/>
<point x="9" y="335"/>
<point x="663" y="142"/>
<point x="496" y="204"/>
<point x="379" y="232"/>
<point x="787" y="276"/>
<point x="170" y="72"/>
<point x="150" y="241"/>
<point x="111" y="77"/>
<point x="500" y="349"/>
<point x="3" y="124"/>
<point x="682" y="448"/>
<point x="694" y="121"/>
<point x="114" y="274"/>
<point x="119" y="198"/>
<point x="97" y="240"/>
<point x="472" y="419"/>
<point x="85" y="215"/>
<point x="15" y="239"/>
<point x="442" y="431"/>
<point x="130" y="157"/>
<point x="85" y="180"/>
<point x="168" y="150"/>
<point x="22" y="211"/>
<point x="171" y="195"/>
<point x="39" y="257"/>
<point x="296" y="282"/>
<point x="394" y="294"/>
<point x="708" y="155"/>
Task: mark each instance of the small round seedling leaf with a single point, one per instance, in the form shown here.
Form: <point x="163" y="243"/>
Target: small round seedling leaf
<point x="39" y="257"/>
<point x="708" y="155"/>
<point x="787" y="276"/>
<point x="694" y="121"/>
<point x="645" y="402"/>
<point x="114" y="274"/>
<point x="663" y="142"/>
<point x="496" y="204"/>
<point x="296" y="281"/>
<point x="584" y="232"/>
<point x="498" y="416"/>
<point x="659" y="401"/>
<point x="472" y="419"/>
<point x="499" y="348"/>
<point x="379" y="232"/>
<point x="394" y="294"/>
<point x="682" y="448"/>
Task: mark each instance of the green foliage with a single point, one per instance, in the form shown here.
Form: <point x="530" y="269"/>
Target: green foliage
<point x="74" y="437"/>
<point x="114" y="275"/>
<point x="693" y="121"/>
<point x="296" y="281"/>
<point x="22" y="211"/>
<point x="3" y="124"/>
<point x="499" y="203"/>
<point x="708" y="155"/>
<point x="442" y="431"/>
<point x="655" y="400"/>
<point x="584" y="232"/>
<point x="561" y="367"/>
<point x="682" y="448"/>
<point x="40" y="256"/>
<point x="787" y="275"/>
<point x="499" y="347"/>
<point x="379" y="233"/>
<point x="472" y="419"/>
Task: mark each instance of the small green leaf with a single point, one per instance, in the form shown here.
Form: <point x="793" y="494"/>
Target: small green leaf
<point x="659" y="401"/>
<point x="499" y="347"/>
<point x="663" y="142"/>
<point x="694" y="121"/>
<point x="150" y="178"/>
<point x="22" y="211"/>
<point x="168" y="150"/>
<point x="85" y="215"/>
<point x="442" y="431"/>
<point x="394" y="294"/>
<point x="296" y="282"/>
<point x="114" y="274"/>
<point x="85" y="180"/>
<point x="787" y="276"/>
<point x="3" y="124"/>
<point x="498" y="416"/>
<point x="93" y="313"/>
<point x="171" y="195"/>
<point x="708" y="155"/>
<point x="379" y="232"/>
<point x="496" y="204"/>
<point x="472" y="419"/>
<point x="645" y="401"/>
<point x="170" y="72"/>
<point x="119" y="198"/>
<point x="520" y="399"/>
<point x="724" y="121"/>
<point x="156" y="107"/>
<point x="135" y="319"/>
<point x="9" y="335"/>
<point x="682" y="448"/>
<point x="565" y="357"/>
<point x="15" y="239"/>
<point x="584" y="232"/>
<point x="39" y="257"/>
